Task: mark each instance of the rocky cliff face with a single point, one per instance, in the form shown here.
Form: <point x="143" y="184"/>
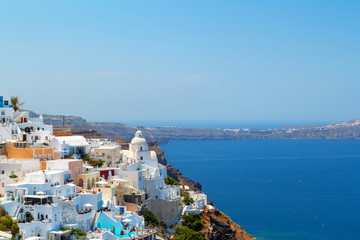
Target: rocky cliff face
<point x="218" y="226"/>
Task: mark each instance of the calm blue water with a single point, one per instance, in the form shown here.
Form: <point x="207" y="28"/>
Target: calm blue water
<point x="278" y="189"/>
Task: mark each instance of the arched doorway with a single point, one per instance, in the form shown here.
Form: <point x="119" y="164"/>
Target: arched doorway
<point x="93" y="182"/>
<point x="88" y="184"/>
<point x="81" y="182"/>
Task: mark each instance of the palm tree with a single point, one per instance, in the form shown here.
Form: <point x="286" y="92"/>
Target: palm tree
<point x="16" y="103"/>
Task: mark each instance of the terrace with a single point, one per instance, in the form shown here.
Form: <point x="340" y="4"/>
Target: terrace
<point x="35" y="199"/>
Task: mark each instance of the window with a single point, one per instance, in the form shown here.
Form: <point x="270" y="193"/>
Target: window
<point x="6" y="103"/>
<point x="3" y="113"/>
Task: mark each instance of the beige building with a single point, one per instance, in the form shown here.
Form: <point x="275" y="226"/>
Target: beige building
<point x="88" y="180"/>
<point x="109" y="154"/>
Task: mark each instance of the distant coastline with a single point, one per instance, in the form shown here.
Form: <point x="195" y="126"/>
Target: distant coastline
<point x="343" y="130"/>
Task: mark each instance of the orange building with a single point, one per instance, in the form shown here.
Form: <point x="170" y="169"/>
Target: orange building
<point x="23" y="150"/>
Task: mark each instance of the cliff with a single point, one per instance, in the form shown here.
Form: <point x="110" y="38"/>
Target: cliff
<point x="218" y="226"/>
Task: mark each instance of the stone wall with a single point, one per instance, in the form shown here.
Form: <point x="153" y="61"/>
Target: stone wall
<point x="167" y="211"/>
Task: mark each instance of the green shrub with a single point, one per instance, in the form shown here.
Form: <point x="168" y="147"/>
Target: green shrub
<point x="185" y="233"/>
<point x="77" y="232"/>
<point x="150" y="218"/>
<point x="15" y="229"/>
<point x="187" y="199"/>
<point x="7" y="224"/>
<point x="13" y="176"/>
<point x="193" y="221"/>
<point x="164" y="225"/>
<point x="170" y="181"/>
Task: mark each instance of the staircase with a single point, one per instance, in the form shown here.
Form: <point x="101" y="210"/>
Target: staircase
<point x="94" y="221"/>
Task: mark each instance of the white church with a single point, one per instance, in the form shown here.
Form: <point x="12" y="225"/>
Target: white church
<point x="143" y="171"/>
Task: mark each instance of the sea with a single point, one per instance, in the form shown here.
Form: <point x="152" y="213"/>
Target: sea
<point x="278" y="189"/>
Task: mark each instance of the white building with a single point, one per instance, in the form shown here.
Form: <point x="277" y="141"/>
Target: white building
<point x="6" y="118"/>
<point x="32" y="130"/>
<point x="70" y="145"/>
<point x="18" y="167"/>
<point x="200" y="202"/>
<point x="141" y="169"/>
<point x="42" y="203"/>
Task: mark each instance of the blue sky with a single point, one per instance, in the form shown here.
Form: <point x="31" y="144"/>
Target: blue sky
<point x="173" y="61"/>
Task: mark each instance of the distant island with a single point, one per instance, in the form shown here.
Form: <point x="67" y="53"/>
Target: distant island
<point x="343" y="130"/>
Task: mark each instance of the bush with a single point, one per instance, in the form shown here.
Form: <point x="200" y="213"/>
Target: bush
<point x="170" y="181"/>
<point x="85" y="157"/>
<point x="187" y="199"/>
<point x="164" y="225"/>
<point x="13" y="176"/>
<point x="7" y="223"/>
<point x="185" y="233"/>
<point x="150" y="218"/>
<point x="193" y="221"/>
<point x="15" y="229"/>
<point x="77" y="232"/>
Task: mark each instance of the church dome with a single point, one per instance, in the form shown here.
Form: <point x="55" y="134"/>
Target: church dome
<point x="138" y="139"/>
